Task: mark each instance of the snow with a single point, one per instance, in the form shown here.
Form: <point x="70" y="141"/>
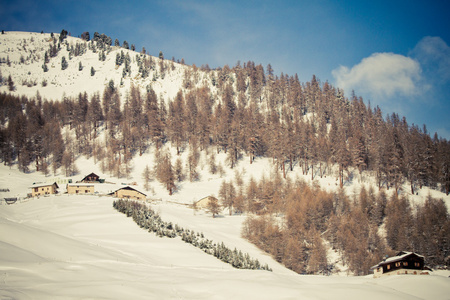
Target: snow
<point x="78" y="246"/>
<point x="70" y="82"/>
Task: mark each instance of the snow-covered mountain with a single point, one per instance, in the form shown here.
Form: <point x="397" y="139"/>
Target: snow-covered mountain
<point x="26" y="52"/>
<point x="80" y="247"/>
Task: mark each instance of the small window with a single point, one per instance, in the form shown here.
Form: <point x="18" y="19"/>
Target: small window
<point x="405" y="263"/>
<point x="388" y="267"/>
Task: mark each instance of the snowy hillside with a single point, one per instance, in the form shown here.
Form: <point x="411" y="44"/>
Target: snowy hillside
<point x="76" y="247"/>
<point x="26" y="50"/>
<point x="26" y="53"/>
<point x="73" y="246"/>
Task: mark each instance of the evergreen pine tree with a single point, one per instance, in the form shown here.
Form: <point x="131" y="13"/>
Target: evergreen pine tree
<point x="11" y="86"/>
<point x="64" y="63"/>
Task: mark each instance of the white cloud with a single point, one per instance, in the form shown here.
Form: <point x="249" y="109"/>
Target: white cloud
<point x="381" y="76"/>
<point x="433" y="53"/>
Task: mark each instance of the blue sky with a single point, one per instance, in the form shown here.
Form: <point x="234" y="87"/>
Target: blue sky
<point x="394" y="54"/>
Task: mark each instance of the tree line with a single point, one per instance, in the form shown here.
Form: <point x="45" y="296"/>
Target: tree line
<point x="148" y="219"/>
<point x="241" y="110"/>
<point x="311" y="126"/>
<point x="294" y="221"/>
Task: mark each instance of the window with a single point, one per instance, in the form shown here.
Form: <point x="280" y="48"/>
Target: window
<point x="397" y="264"/>
<point x="405" y="263"/>
<point x="388" y="267"/>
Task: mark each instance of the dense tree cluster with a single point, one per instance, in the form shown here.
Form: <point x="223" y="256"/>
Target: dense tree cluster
<point x="247" y="110"/>
<point x="146" y="218"/>
<point x="293" y="221"/>
<point x="31" y="132"/>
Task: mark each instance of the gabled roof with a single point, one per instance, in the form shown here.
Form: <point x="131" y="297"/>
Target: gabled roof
<point x="400" y="256"/>
<point x="206" y="198"/>
<point x="130" y="189"/>
<point x="81" y="184"/>
<point x="44" y="184"/>
<point x="90" y="175"/>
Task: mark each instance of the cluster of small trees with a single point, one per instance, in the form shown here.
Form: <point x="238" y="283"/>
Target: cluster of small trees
<point x="146" y="218"/>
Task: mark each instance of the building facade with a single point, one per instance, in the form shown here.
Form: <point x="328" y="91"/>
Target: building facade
<point x="91" y="178"/>
<point x="44" y="189"/>
<point x="80" y="188"/>
<point x="129" y="193"/>
<point x="402" y="263"/>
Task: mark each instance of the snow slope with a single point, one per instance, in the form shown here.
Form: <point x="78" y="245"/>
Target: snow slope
<point x="79" y="247"/>
<point x="70" y="82"/>
<point x="74" y="247"/>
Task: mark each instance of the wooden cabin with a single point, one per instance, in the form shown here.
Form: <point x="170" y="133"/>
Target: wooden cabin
<point x="402" y="263"/>
<point x="129" y="193"/>
<point x="44" y="189"/>
<point x="91" y="178"/>
<point x="80" y="188"/>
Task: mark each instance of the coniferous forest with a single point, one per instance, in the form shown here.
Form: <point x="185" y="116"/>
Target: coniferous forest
<point x="248" y="112"/>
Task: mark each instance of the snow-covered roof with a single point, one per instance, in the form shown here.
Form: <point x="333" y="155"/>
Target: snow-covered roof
<point x="80" y="184"/>
<point x="130" y="188"/>
<point x="43" y="184"/>
<point x="90" y="175"/>
<point x="400" y="256"/>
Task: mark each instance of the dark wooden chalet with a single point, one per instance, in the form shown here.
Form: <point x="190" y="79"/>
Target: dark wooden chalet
<point x="402" y="263"/>
<point x="91" y="178"/>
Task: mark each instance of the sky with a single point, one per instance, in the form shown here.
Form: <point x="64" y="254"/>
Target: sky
<point x="394" y="54"/>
